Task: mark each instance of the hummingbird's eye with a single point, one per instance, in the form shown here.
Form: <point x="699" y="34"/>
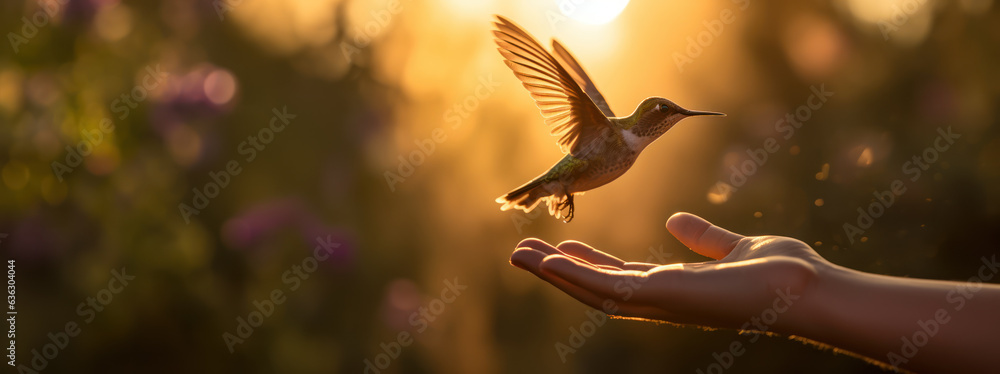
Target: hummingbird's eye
<point x="661" y="108"/>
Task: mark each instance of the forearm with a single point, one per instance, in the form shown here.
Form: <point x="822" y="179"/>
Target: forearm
<point x="913" y="324"/>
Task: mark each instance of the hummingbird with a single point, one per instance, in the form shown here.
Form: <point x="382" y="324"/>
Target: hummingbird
<point x="598" y="146"/>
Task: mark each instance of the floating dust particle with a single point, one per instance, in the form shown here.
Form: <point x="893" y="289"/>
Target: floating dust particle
<point x="823" y="173"/>
<point x="818" y="243"/>
<point x="758" y="214"/>
<point x="866" y="157"/>
<point x="864" y="239"/>
<point x="818" y="202"/>
<point x="718" y="195"/>
<point x="794" y="150"/>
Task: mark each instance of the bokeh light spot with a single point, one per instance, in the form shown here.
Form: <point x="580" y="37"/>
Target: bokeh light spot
<point x="184" y="144"/>
<point x="16" y="175"/>
<point x="53" y="191"/>
<point x="866" y="158"/>
<point x="975" y="6"/>
<point x="219" y="86"/>
<point x="11" y="82"/>
<point x="104" y="160"/>
<point x="814" y="46"/>
<point x="823" y="173"/>
<point x="113" y="22"/>
<point x="717" y="195"/>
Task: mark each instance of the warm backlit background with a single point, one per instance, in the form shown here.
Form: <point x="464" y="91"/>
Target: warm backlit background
<point x="899" y="70"/>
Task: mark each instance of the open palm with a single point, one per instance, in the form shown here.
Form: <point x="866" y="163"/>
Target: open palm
<point x="748" y="276"/>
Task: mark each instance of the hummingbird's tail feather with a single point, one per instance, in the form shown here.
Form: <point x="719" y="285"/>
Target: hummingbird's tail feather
<point x="524" y="198"/>
<point x="528" y="196"/>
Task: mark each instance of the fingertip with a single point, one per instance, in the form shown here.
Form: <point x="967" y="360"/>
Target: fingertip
<point x="533" y="243"/>
<point x="585" y="253"/>
<point x="556" y="264"/>
<point x="571" y="243"/>
<point x="527" y="259"/>
<point x="574" y="247"/>
<point x="680" y="222"/>
<point x="520" y="253"/>
<point x="678" y="215"/>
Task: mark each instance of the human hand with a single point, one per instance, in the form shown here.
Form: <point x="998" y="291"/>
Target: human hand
<point x="747" y="276"/>
<point x="779" y="284"/>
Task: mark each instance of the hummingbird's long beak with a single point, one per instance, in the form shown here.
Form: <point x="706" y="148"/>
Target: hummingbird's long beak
<point x="691" y="113"/>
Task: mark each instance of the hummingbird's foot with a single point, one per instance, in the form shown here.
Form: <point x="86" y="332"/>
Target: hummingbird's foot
<point x="568" y="203"/>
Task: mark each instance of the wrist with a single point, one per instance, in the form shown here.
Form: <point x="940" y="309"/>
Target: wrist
<point x="819" y="314"/>
<point x="856" y="311"/>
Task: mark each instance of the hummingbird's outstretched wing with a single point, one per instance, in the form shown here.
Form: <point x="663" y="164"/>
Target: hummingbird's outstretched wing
<point x="581" y="77"/>
<point x="571" y="115"/>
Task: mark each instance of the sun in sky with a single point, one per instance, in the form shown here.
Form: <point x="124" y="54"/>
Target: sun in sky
<point x="594" y="12"/>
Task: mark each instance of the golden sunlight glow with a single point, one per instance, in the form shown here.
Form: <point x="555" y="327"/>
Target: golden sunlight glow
<point x="875" y="11"/>
<point x="866" y="157"/>
<point x="718" y="195"/>
<point x="906" y="22"/>
<point x="594" y="12"/>
<point x="286" y="26"/>
<point x="741" y="263"/>
<point x="814" y="45"/>
<point x="466" y="7"/>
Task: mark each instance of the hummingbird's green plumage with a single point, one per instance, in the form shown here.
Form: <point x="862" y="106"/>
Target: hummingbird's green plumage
<point x="599" y="146"/>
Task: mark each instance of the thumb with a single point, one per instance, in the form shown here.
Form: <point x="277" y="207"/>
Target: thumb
<point x="702" y="236"/>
